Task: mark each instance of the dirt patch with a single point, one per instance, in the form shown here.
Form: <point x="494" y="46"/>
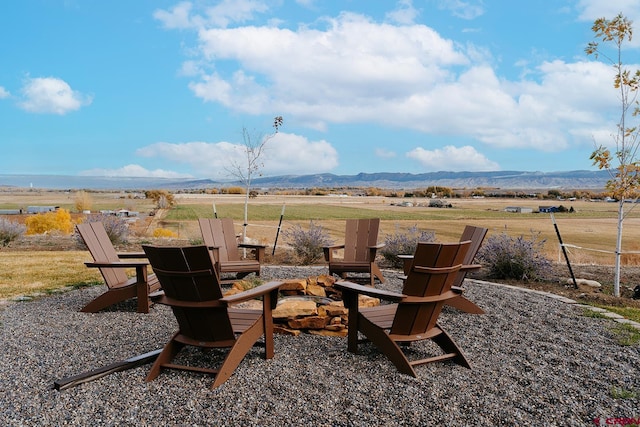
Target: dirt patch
<point x="557" y="283"/>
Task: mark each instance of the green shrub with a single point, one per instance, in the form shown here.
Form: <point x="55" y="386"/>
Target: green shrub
<point x="10" y="231"/>
<point x="404" y="243"/>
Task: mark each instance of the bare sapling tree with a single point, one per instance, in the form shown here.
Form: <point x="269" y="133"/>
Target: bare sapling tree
<point x="253" y="146"/>
<point x="619" y="158"/>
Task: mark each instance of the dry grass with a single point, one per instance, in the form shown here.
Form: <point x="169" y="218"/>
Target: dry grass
<point x="33" y="272"/>
<point x="591" y="229"/>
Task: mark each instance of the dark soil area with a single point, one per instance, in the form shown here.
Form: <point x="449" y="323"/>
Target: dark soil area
<point x="556" y="283"/>
<point x="560" y="283"/>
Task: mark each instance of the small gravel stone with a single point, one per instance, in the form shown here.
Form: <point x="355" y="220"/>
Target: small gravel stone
<point x="535" y="361"/>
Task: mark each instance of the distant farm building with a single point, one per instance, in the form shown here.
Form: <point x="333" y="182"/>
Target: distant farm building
<point x="437" y="203"/>
<point x="122" y="213"/>
<point x="518" y="209"/>
<point x="41" y="209"/>
<point x="548" y="209"/>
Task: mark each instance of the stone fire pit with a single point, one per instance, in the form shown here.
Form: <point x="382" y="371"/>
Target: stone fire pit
<point x="311" y="305"/>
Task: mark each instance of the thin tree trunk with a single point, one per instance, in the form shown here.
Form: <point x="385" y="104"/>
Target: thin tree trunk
<point x="246" y="216"/>
<point x="616" y="279"/>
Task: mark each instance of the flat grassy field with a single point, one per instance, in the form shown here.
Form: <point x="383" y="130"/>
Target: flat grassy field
<point x="591" y="228"/>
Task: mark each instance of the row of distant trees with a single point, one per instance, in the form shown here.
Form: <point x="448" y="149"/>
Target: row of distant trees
<point x="162" y="198"/>
<point x="428" y="192"/>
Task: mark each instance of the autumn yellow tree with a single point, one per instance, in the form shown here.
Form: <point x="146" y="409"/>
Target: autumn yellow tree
<point x="58" y="220"/>
<point x="620" y="157"/>
<point x="83" y="201"/>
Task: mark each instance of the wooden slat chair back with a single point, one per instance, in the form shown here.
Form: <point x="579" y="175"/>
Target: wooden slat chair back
<point x="113" y="270"/>
<point x="359" y="250"/>
<point x="219" y="236"/>
<point x="414" y="315"/>
<point x="220" y="233"/>
<point x="434" y="270"/>
<point x="97" y="241"/>
<point x="205" y="318"/>
<point x="360" y="235"/>
<point x="476" y="235"/>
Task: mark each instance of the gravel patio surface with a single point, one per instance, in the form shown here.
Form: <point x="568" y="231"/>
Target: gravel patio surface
<point x="536" y="361"/>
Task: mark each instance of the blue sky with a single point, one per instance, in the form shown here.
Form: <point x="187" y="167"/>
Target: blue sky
<point x="166" y="88"/>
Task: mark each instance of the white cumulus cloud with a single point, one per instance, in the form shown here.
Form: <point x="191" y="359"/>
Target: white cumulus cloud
<point x="283" y="154"/>
<point x="51" y="95"/>
<point x="222" y="14"/>
<point x="136" y="171"/>
<point x="384" y="153"/>
<point x="349" y="68"/>
<point x="452" y="158"/>
<point x="4" y="93"/>
<point x="590" y="10"/>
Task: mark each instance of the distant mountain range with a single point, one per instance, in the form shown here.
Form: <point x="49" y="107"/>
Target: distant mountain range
<point x="506" y="180"/>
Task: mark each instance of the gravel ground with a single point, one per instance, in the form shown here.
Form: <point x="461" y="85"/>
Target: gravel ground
<point x="536" y="361"/>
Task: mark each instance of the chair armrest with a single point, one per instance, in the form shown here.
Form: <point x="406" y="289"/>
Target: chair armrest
<point x="373" y="250"/>
<point x="259" y="249"/>
<point x="334" y="247"/>
<point x="392" y="296"/>
<point x="165" y="300"/>
<point x="369" y="291"/>
<point x="434" y="298"/>
<point x="251" y="246"/>
<point x="250" y="294"/>
<point x="215" y="252"/>
<point x="406" y="263"/>
<point x="471" y="267"/>
<point x="328" y="251"/>
<point x="437" y="270"/>
<point x="117" y="264"/>
<point x="128" y="255"/>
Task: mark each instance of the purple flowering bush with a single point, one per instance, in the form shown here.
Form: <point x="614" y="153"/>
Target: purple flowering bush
<point x="506" y="257"/>
<point x="403" y="243"/>
<point x="307" y="244"/>
<point x="10" y="231"/>
<point x="116" y="227"/>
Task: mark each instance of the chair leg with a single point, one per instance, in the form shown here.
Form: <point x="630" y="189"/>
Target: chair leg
<point x="446" y="343"/>
<point x="109" y="298"/>
<point x="375" y="271"/>
<point x="386" y="345"/>
<point x="166" y="355"/>
<point x="464" y="304"/>
<point x="235" y="355"/>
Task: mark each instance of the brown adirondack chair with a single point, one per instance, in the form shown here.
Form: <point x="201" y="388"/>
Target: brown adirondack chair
<point x="112" y="266"/>
<point x="359" y="250"/>
<point x="476" y="235"/>
<point x="220" y="237"/>
<point x="206" y="318"/>
<point x="414" y="315"/>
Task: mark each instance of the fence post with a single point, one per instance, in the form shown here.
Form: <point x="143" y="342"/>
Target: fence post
<point x="564" y="250"/>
